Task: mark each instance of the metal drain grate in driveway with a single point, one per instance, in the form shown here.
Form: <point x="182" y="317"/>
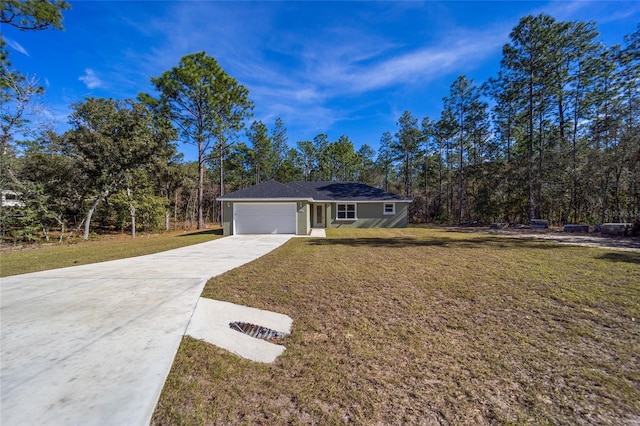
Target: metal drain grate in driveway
<point x="258" y="331"/>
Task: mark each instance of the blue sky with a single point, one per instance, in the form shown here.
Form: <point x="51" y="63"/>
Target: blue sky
<point x="341" y="68"/>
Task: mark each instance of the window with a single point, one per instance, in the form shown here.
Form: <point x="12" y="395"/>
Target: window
<point x="389" y="208"/>
<point x="346" y="212"/>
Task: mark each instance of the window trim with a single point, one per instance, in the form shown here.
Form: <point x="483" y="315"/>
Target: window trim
<point x="393" y="208"/>
<point x="346" y="211"/>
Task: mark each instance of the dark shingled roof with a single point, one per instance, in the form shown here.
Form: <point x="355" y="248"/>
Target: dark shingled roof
<point x="346" y="191"/>
<point x="267" y="190"/>
<point x="317" y="191"/>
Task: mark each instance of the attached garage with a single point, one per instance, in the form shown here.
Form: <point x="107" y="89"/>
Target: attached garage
<point x="296" y="207"/>
<point x="264" y="218"/>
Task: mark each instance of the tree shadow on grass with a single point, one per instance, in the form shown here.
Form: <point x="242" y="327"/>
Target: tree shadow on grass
<point x="621" y="257"/>
<point x="400" y="242"/>
<point x="204" y="232"/>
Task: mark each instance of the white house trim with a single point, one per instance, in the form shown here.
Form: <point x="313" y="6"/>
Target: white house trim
<point x="346" y="211"/>
<point x="391" y="212"/>
<point x="263" y="200"/>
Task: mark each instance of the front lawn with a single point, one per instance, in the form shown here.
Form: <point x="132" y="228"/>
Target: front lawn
<point x="424" y="326"/>
<point x="34" y="258"/>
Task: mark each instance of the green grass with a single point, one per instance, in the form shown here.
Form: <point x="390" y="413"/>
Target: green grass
<point x="40" y="258"/>
<point x="424" y="326"/>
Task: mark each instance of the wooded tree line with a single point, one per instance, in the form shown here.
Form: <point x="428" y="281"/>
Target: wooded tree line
<point x="554" y="135"/>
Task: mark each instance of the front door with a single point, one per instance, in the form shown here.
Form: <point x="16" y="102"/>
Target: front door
<point x="318" y="215"/>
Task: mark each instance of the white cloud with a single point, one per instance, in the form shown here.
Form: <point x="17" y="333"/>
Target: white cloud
<point x="16" y="46"/>
<point x="90" y="79"/>
<point x="339" y="64"/>
<point x="365" y="65"/>
<point x="580" y="10"/>
<point x="313" y="78"/>
<point x="424" y="64"/>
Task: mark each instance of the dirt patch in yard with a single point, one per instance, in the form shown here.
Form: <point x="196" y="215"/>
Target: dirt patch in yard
<point x="558" y="236"/>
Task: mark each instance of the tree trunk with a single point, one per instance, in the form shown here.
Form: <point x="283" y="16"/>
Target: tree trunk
<point x="175" y="212"/>
<point x="460" y="172"/>
<point x="449" y="205"/>
<point x="407" y="185"/>
<point x="616" y="194"/>
<point x="531" y="206"/>
<point x="132" y="213"/>
<point x="439" y="208"/>
<point x="460" y="179"/>
<point x="538" y="209"/>
<point x="509" y="138"/>
<point x="426" y="188"/>
<point x="574" y="162"/>
<point x="221" y="218"/>
<point x="200" y="184"/>
<point x="386" y="178"/>
<point x="87" y="222"/>
<point x="61" y="232"/>
<point x="605" y="200"/>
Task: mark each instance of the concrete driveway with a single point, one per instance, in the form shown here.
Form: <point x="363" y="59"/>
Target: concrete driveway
<point x="93" y="344"/>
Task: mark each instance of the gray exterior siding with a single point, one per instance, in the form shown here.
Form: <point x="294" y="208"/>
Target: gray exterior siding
<point x="371" y="215"/>
<point x="227" y="218"/>
<point x="303" y="219"/>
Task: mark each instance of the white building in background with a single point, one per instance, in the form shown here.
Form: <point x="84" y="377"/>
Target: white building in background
<point x="11" y="198"/>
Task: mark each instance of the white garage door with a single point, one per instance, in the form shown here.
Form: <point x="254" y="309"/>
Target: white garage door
<point x="264" y="218"/>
